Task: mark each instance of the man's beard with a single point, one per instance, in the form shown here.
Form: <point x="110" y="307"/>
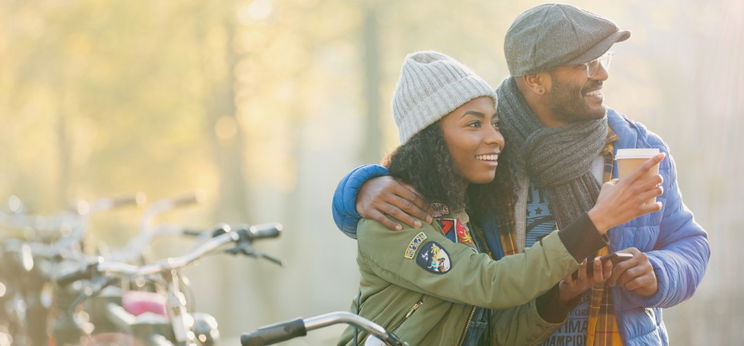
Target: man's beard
<point x="567" y="103"/>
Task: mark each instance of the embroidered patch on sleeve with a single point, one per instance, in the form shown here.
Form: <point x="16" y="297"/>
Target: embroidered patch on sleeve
<point x="434" y="258"/>
<point x="448" y="226"/>
<point x="455" y="230"/>
<point x="463" y="234"/>
<point x="413" y="245"/>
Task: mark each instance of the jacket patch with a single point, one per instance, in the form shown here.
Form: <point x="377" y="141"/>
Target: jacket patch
<point x="448" y="226"/>
<point x="454" y="230"/>
<point x="413" y="245"/>
<point x="434" y="258"/>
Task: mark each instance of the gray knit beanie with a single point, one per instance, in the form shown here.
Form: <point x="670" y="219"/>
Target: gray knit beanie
<point x="431" y="86"/>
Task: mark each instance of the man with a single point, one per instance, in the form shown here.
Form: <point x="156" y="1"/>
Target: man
<point x="560" y="144"/>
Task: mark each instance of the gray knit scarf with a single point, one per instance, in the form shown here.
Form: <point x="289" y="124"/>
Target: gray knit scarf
<point x="558" y="159"/>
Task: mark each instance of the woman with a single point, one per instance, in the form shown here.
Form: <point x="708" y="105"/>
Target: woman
<point x="431" y="286"/>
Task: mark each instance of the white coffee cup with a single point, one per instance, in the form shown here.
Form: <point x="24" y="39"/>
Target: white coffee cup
<point x="628" y="160"/>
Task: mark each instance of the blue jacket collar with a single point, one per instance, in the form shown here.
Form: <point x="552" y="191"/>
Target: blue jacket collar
<point x="626" y="130"/>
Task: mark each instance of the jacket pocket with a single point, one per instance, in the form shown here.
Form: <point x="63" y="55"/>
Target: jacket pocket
<point x="409" y="313"/>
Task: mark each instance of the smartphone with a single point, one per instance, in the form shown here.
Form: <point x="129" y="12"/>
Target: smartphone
<point x="615" y="257"/>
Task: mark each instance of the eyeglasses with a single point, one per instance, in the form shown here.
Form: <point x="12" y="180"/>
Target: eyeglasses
<point x="592" y="67"/>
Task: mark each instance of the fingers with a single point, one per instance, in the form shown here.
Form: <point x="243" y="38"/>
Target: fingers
<point x="647" y="183"/>
<point x="643" y="169"/>
<point x="651" y="207"/>
<point x="630" y="274"/>
<point x="371" y="193"/>
<point x="379" y="217"/>
<point x="642" y="283"/>
<point x="400" y="209"/>
<point x="571" y="279"/>
<point x="596" y="270"/>
<point x="652" y="180"/>
<point x="606" y="270"/>
<point x="582" y="271"/>
<point x="579" y="275"/>
<point x="650" y="194"/>
<point x="412" y="195"/>
<point x="637" y="270"/>
<point x="599" y="271"/>
<point x="641" y="267"/>
<point x="637" y="274"/>
<point x="408" y="211"/>
<point x="652" y="161"/>
<point x="383" y="198"/>
<point x="648" y="164"/>
<point x="621" y="267"/>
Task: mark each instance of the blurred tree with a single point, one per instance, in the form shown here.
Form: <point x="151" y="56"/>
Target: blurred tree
<point x="216" y="23"/>
<point x="371" y="59"/>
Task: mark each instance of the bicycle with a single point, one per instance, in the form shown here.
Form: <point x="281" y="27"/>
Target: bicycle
<point x="179" y="321"/>
<point x="30" y="257"/>
<point x="287" y="330"/>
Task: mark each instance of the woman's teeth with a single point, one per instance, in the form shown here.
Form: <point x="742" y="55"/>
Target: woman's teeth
<point x="490" y="157"/>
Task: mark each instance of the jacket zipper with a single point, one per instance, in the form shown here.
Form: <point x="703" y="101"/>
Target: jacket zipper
<point x="467" y="324"/>
<point x="410" y="312"/>
<point x="476" y="242"/>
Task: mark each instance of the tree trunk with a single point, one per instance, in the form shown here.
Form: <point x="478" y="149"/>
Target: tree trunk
<point x="371" y="147"/>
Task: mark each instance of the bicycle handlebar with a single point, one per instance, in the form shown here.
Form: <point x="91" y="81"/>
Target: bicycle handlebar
<point x="81" y="274"/>
<point x="69" y="278"/>
<point x="84" y="208"/>
<point x="219" y="230"/>
<point x="172" y="203"/>
<point x="221" y="236"/>
<point x="186" y="200"/>
<point x="283" y="331"/>
<point x="135" y="200"/>
<point x="275" y="333"/>
<point x="125" y="269"/>
<point x="263" y="231"/>
<point x="165" y="205"/>
<point x="119" y="268"/>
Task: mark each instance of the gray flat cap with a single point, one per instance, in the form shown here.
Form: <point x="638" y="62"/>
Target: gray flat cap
<point x="550" y="35"/>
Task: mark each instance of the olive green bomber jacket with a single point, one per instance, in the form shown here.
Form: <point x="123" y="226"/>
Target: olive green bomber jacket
<point x="430" y="307"/>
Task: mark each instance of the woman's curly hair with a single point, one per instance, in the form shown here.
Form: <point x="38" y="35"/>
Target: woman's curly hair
<point x="425" y="163"/>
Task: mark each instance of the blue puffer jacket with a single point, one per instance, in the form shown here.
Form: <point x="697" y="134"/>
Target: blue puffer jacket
<point x="676" y="245"/>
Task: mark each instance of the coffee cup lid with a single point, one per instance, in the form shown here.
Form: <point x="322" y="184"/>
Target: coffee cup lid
<point x="645" y="153"/>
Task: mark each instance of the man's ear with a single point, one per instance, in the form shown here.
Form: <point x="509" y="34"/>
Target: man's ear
<point x="536" y="83"/>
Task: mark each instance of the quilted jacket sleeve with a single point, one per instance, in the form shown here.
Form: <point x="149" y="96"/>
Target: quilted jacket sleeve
<point x="344" y="199"/>
<point x="681" y="252"/>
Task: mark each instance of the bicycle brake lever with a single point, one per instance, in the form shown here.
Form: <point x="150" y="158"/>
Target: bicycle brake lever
<point x="242" y="248"/>
<point x="97" y="285"/>
<point x="271" y="259"/>
<point x="246" y="249"/>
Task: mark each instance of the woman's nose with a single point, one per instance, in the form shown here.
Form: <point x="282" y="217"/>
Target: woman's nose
<point x="494" y="136"/>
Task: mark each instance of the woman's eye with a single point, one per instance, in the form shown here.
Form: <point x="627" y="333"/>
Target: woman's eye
<point x="475" y="124"/>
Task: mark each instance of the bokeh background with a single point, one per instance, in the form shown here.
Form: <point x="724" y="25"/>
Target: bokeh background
<point x="263" y="105"/>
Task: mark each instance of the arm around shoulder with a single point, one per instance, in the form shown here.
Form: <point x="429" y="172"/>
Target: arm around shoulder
<point x="344" y="198"/>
